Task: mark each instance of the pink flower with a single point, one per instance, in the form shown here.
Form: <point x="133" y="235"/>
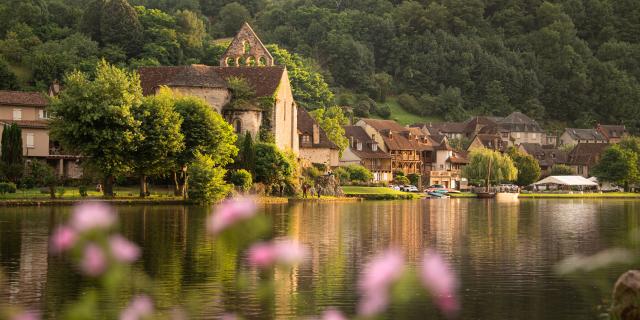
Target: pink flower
<point x="229" y="316"/>
<point x="229" y="213"/>
<point x="63" y="239"/>
<point x="378" y="276"/>
<point x="441" y="282"/>
<point x="333" y="314"/>
<point x="26" y="315"/>
<point x="262" y="255"/>
<point x="93" y="261"/>
<point x="123" y="250"/>
<point x="285" y="252"/>
<point x="141" y="306"/>
<point x="92" y="215"/>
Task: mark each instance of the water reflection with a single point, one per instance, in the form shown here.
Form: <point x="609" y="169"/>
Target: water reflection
<point x="503" y="251"/>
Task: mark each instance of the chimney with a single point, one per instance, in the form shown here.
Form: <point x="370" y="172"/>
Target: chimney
<point x="316" y="134"/>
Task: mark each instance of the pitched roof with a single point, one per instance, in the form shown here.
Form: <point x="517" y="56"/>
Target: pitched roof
<point x="446" y="127"/>
<point x="585" y="134"/>
<point x="490" y="141"/>
<point x="22" y="98"/>
<point x="264" y="80"/>
<point x="587" y="153"/>
<point x="545" y="156"/>
<point x="519" y="122"/>
<point x="472" y="124"/>
<point x="305" y="126"/>
<point x="612" y="131"/>
<point x="380" y="125"/>
<point x="357" y="134"/>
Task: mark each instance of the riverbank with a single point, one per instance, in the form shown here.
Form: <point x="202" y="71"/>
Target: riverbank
<point x="379" y="193"/>
<point x="609" y="195"/>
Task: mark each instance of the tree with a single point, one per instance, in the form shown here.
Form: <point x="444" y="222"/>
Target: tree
<point x="163" y="140"/>
<point x="12" y="152"/>
<point x="359" y="173"/>
<point x="114" y="22"/>
<point x="561" y="170"/>
<point x="488" y="165"/>
<point x="272" y="167"/>
<point x="619" y="166"/>
<point x="247" y="154"/>
<point x="44" y="176"/>
<point x="205" y="132"/>
<point x="231" y="18"/>
<point x="8" y="80"/>
<point x="95" y="119"/>
<point x="332" y="120"/>
<point x="241" y="179"/>
<point x="528" y="167"/>
<point x="309" y="87"/>
<point x="206" y="180"/>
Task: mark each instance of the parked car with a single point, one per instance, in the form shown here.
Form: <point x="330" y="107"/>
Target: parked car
<point x="434" y="188"/>
<point x="411" y="189"/>
<point x="394" y="187"/>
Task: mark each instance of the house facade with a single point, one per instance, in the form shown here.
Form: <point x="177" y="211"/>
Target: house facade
<point x="315" y="146"/>
<point x="585" y="156"/>
<point x="365" y="151"/>
<point x="573" y="136"/>
<point x="613" y="133"/>
<point x="517" y="128"/>
<point x="29" y="111"/>
<point x="395" y="140"/>
<point x="273" y="110"/>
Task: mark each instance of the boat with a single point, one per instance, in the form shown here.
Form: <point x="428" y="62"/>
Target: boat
<point x="438" y="195"/>
<point x="486" y="195"/>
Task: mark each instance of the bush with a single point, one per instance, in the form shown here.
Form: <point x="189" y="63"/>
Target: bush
<point x="384" y="112"/>
<point x="60" y="192"/>
<point x="359" y="173"/>
<point x="8" y="187"/>
<point x="561" y="170"/>
<point x="409" y="103"/>
<point x="414" y="178"/>
<point x="342" y="174"/>
<point x="311" y="172"/>
<point x="241" y="179"/>
<point x="206" y="181"/>
<point x="83" y="191"/>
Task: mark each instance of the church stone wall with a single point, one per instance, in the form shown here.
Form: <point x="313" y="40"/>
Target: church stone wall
<point x="285" y="117"/>
<point x="249" y="120"/>
<point x="216" y="97"/>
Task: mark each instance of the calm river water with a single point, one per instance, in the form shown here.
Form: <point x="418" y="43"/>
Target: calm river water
<point x="503" y="252"/>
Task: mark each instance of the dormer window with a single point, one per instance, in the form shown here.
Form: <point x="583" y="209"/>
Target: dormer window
<point x="374" y="146"/>
<point x="306" y="139"/>
<point x="359" y="148"/>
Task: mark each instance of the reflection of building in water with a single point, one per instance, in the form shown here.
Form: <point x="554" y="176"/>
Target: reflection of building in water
<point x="446" y="224"/>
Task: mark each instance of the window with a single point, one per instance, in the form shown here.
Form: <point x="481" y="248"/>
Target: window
<point x="359" y="147"/>
<point x="533" y="135"/>
<point x="580" y="170"/>
<point x="30" y="140"/>
<point x="517" y="135"/>
<point x="17" y="114"/>
<point x="374" y="146"/>
<point x="237" y="126"/>
<point x="306" y="138"/>
<point x="43" y="114"/>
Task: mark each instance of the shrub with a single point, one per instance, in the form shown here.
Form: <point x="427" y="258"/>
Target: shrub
<point x="359" y="173"/>
<point x="60" y="192"/>
<point x="342" y="174"/>
<point x="241" y="179"/>
<point x="206" y="181"/>
<point x="44" y="176"/>
<point x="384" y="112"/>
<point x="409" y="103"/>
<point x="561" y="170"/>
<point x="83" y="191"/>
<point x="414" y="178"/>
<point x="7" y="187"/>
<point x="311" y="172"/>
<point x="402" y="180"/>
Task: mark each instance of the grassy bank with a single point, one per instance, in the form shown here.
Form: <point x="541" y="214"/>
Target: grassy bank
<point x="613" y="195"/>
<point x="462" y="195"/>
<point x="69" y="193"/>
<point x="403" y="116"/>
<point x="378" y="193"/>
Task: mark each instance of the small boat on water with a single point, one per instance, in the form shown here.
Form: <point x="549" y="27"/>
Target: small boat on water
<point x="438" y="195"/>
<point x="486" y="195"/>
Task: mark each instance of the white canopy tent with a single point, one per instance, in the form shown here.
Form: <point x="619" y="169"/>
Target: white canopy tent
<point x="566" y="183"/>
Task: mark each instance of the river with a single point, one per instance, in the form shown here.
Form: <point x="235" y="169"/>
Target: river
<point x="504" y="253"/>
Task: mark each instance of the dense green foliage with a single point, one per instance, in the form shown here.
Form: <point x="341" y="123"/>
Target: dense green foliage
<point x="489" y="166"/>
<point x="272" y="166"/>
<point x="332" y="120"/>
<point x="241" y="179"/>
<point x="43" y="175"/>
<point x="528" y="167"/>
<point x="11" y="153"/>
<point x="206" y="180"/>
<point x="8" y="187"/>
<point x="358" y="173"/>
<point x="561" y="170"/>
<point x="618" y="165"/>
<point x="573" y="61"/>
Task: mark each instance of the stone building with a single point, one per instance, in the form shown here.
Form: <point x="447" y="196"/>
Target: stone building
<point x="585" y="156"/>
<point x="273" y="109"/>
<point x="517" y="128"/>
<point x="315" y="146"/>
<point x="613" y="133"/>
<point x="365" y="151"/>
<point x="573" y="136"/>
<point x="28" y="111"/>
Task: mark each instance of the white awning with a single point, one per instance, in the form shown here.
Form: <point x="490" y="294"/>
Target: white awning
<point x="567" y="181"/>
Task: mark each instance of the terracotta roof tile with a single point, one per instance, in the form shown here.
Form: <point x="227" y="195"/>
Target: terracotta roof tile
<point x="357" y="134"/>
<point x="265" y="80"/>
<point x="21" y="98"/>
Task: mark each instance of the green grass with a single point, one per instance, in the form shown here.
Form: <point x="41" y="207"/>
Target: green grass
<point x="403" y="116"/>
<point x="462" y="195"/>
<point x="73" y="193"/>
<point x="378" y="193"/>
<point x="581" y="195"/>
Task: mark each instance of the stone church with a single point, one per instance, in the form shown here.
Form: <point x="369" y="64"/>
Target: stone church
<point x="246" y="58"/>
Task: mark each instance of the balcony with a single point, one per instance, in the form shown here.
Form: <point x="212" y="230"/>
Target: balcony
<point x="445" y="173"/>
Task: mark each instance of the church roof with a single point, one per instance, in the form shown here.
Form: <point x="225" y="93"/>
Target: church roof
<point x="263" y="79"/>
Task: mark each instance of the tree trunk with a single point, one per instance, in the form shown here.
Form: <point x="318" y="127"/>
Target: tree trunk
<point x="176" y="185"/>
<point x="52" y="192"/>
<point x="143" y="186"/>
<point x="108" y="186"/>
<point x="185" y="187"/>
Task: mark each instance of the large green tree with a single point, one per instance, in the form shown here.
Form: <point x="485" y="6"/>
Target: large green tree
<point x="95" y="118"/>
<point x="528" y="167"/>
<point x="163" y="140"/>
<point x="272" y="166"/>
<point x="11" y="155"/>
<point x="8" y="80"/>
<point x="205" y="132"/>
<point x="114" y="22"/>
<point x="332" y="120"/>
<point x="618" y="165"/>
<point x="489" y="166"/>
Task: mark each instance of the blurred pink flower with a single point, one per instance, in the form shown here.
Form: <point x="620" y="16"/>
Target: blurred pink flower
<point x="123" y="250"/>
<point x="93" y="261"/>
<point x="229" y="213"/>
<point x="441" y="282"/>
<point x="285" y="252"/>
<point x="92" y="215"/>
<point x="140" y="307"/>
<point x="63" y="239"/>
<point x="333" y="314"/>
<point x="229" y="316"/>
<point x="25" y="315"/>
<point x="378" y="276"/>
<point x="262" y="255"/>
